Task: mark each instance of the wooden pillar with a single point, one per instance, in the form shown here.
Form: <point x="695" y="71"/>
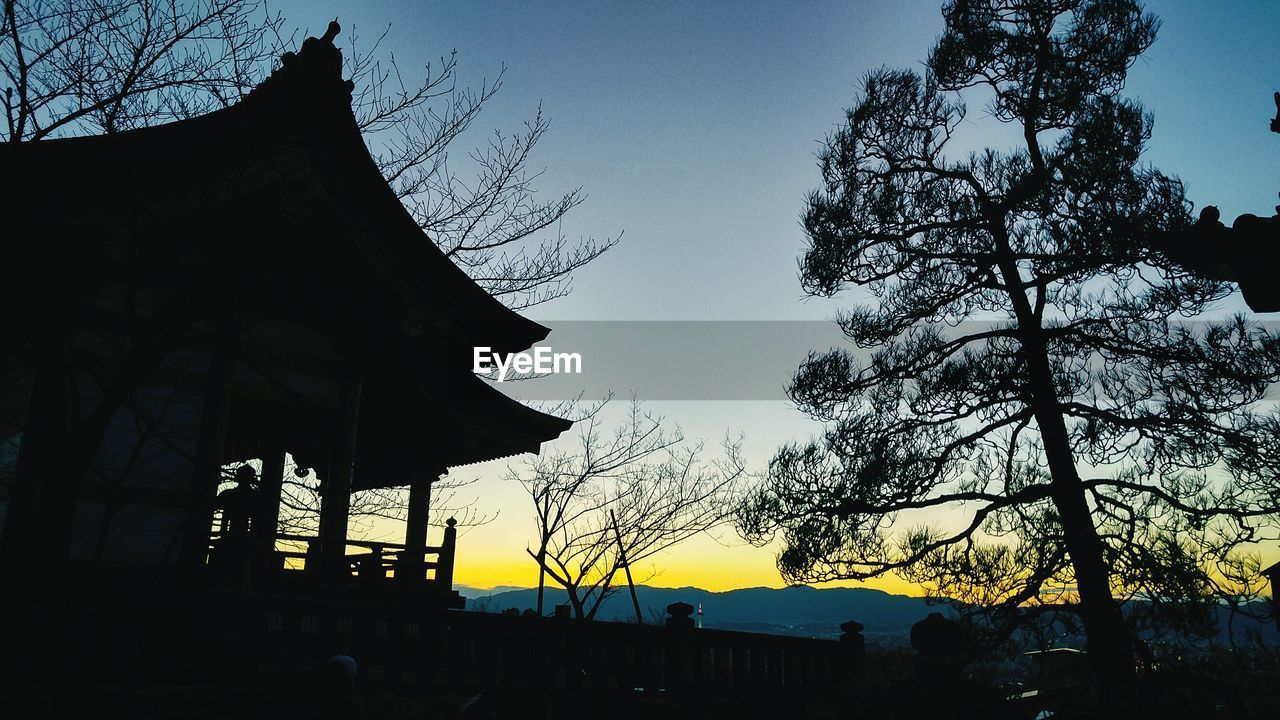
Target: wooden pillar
<point x="210" y="449"/>
<point x="267" y="515"/>
<point x="410" y="568"/>
<point x="335" y="486"/>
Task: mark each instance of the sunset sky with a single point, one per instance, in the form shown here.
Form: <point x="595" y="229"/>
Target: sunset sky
<point x="693" y="127"/>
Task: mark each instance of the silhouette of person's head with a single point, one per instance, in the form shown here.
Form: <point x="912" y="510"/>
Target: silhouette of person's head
<point x="332" y="693"/>
<point x="1210" y="214"/>
<point x="338" y="673"/>
<point x="245" y="476"/>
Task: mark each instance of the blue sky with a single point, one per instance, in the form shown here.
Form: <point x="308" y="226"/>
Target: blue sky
<point x="693" y="127"/>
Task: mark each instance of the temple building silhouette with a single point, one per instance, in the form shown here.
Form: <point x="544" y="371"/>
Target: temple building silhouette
<point x="241" y="285"/>
<point x="1247" y="253"/>
<point x="229" y="287"/>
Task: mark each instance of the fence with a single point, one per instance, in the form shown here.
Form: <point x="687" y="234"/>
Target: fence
<point x="420" y="651"/>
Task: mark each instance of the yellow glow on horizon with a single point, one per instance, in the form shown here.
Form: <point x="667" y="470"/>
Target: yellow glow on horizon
<point x="702" y="563"/>
<point x="493" y="555"/>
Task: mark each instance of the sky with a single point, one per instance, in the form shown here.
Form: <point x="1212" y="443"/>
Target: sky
<point x="693" y="129"/>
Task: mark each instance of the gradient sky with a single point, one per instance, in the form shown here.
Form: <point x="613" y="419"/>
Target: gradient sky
<point x="693" y="127"/>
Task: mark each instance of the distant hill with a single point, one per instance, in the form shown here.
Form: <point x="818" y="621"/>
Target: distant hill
<point x="799" y="610"/>
<point x="469" y="592"/>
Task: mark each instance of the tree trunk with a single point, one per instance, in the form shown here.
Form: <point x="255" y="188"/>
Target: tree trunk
<point x="579" y="609"/>
<point x="1109" y="643"/>
<point x="542" y="577"/>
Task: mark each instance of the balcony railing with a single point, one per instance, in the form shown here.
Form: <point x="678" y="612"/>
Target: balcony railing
<point x="374" y="561"/>
<point x="295" y="558"/>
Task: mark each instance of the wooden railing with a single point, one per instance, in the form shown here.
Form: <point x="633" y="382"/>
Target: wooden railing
<point x="374" y="562"/>
<point x="400" y="648"/>
<point x="174" y="631"/>
<point x="379" y="561"/>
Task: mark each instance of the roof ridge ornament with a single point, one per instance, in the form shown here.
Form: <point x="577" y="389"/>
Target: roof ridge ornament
<point x="317" y="62"/>
<point x="331" y="32"/>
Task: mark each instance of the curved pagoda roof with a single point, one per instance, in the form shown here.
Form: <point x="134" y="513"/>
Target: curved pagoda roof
<point x="275" y="206"/>
<point x="292" y="143"/>
<point x="1247" y="253"/>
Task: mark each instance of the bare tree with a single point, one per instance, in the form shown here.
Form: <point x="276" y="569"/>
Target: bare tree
<point x="657" y="487"/>
<point x="83" y="67"/>
<point x="300" y="504"/>
<point x="484" y="217"/>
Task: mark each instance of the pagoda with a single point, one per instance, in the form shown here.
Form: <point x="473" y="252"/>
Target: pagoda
<point x="228" y="287"/>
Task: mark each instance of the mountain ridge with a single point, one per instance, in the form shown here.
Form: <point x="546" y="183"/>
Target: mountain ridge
<point x="795" y="610"/>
